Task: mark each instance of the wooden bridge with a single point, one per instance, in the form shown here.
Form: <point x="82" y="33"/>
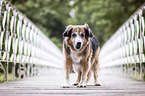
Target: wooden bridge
<point x="50" y="85"/>
<point x="30" y="64"/>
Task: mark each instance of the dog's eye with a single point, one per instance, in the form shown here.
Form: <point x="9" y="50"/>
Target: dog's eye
<point x="74" y="35"/>
<point x="82" y="35"/>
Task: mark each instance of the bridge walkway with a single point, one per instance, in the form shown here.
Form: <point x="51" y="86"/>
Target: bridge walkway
<point x="50" y="85"/>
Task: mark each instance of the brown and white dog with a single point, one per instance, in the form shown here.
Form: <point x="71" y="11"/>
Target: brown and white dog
<point x="81" y="53"/>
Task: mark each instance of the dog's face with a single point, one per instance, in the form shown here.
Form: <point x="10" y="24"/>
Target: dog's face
<point x="77" y="36"/>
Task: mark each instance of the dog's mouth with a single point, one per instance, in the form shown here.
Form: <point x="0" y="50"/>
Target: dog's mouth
<point x="78" y="45"/>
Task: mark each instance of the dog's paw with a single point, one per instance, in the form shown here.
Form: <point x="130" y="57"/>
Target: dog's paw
<point x="65" y="86"/>
<point x="97" y="84"/>
<point x="75" y="84"/>
<point x="81" y="85"/>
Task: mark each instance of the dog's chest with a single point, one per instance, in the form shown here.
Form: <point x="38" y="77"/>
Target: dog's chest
<point x="75" y="57"/>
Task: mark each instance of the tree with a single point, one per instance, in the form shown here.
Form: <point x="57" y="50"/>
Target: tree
<point x="103" y="16"/>
<point x="48" y="15"/>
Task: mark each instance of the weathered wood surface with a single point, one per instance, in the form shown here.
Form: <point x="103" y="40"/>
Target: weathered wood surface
<point x="50" y="85"/>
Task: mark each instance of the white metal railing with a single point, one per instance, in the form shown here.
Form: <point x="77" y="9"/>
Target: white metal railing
<point x="126" y="47"/>
<point x="23" y="46"/>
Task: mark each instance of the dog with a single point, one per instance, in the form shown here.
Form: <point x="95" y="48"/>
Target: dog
<point x="81" y="53"/>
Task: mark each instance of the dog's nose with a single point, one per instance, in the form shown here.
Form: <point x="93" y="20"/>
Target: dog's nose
<point x="78" y="45"/>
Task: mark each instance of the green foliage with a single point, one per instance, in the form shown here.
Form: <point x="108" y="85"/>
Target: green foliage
<point x="103" y="16"/>
<point x="138" y="76"/>
<point x="48" y="15"/>
<point x="56" y="40"/>
<point x="10" y="77"/>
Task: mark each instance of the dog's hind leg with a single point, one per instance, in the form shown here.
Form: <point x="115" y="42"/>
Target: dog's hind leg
<point x="96" y="79"/>
<point x="89" y="76"/>
<point x="95" y="66"/>
<point x="95" y="71"/>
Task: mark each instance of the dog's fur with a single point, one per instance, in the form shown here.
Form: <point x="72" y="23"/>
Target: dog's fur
<point x="81" y="53"/>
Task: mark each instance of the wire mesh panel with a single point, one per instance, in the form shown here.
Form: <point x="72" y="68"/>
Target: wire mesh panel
<point x="24" y="49"/>
<point x="126" y="48"/>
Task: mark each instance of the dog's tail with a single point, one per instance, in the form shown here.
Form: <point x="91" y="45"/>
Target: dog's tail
<point x="89" y="76"/>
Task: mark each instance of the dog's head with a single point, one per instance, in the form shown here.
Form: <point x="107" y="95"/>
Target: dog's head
<point x="77" y="35"/>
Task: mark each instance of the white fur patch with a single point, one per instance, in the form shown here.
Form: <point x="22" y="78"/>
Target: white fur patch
<point x="77" y="39"/>
<point x="75" y="57"/>
<point x="76" y="61"/>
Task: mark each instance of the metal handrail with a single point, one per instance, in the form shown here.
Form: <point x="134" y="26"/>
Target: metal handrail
<point x="23" y="44"/>
<point x="126" y="47"/>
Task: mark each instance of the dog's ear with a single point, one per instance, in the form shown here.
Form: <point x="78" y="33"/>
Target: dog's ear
<point x="67" y="32"/>
<point x="88" y="31"/>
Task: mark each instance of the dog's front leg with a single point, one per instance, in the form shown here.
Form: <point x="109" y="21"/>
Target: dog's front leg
<point x="79" y="73"/>
<point x="84" y="75"/>
<point x="67" y="70"/>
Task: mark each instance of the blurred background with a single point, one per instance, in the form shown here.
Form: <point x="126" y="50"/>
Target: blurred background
<point x="52" y="16"/>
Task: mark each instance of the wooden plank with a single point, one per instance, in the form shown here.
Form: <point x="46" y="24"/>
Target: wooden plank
<point x="50" y="85"/>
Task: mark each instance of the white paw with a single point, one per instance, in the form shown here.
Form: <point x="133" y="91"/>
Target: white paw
<point x="65" y="86"/>
<point x="82" y="85"/>
<point x="75" y="84"/>
<point x="97" y="84"/>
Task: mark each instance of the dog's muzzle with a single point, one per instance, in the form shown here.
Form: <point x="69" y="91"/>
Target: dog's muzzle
<point x="78" y="45"/>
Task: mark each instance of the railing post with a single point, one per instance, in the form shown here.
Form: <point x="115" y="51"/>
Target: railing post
<point x="132" y="47"/>
<point x="22" y="45"/>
